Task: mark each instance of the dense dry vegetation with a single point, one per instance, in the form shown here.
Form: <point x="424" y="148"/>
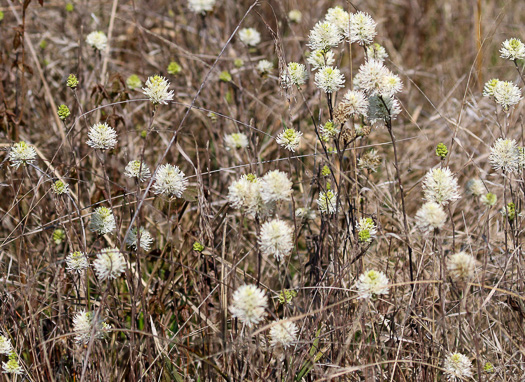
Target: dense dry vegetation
<point x="170" y="314"/>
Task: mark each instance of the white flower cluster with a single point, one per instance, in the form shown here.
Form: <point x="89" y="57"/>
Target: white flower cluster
<point x="201" y="6"/>
<point x="375" y="78"/>
<point x="461" y="266"/>
<point x="289" y="139"/>
<point x="157" y="90"/>
<point x="264" y="67"/>
<point x="283" y="334"/>
<point x="102" y="136"/>
<point x="249" y="304"/>
<point x="296" y="74"/>
<point x="505" y="155"/>
<point x="5" y="345"/>
<point x="259" y="195"/>
<point x="457" y="367"/>
<point x="235" y="141"/>
<point x="372" y="284"/>
<point x="145" y="239"/>
<point x="170" y="181"/>
<point x="21" y="153"/>
<point x="327" y="202"/>
<point x="366" y="230"/>
<point x="276" y="239"/>
<point x="84" y="326"/>
<point x="513" y="49"/>
<point x="98" y="40"/>
<point x="250" y="36"/>
<point x="138" y="170"/>
<point x="76" y="262"/>
<point x="430" y="217"/>
<point x="109" y="264"/>
<point x="102" y="221"/>
<point x="329" y="79"/>
<point x="440" y="186"/>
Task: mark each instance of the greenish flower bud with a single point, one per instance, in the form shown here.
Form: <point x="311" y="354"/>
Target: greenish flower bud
<point x="198" y="247"/>
<point x="174" y="68"/>
<point x="286" y="296"/>
<point x="72" y="81"/>
<point x="63" y="112"/>
<point x="441" y="150"/>
<point x="133" y="82"/>
<point x="59" y="236"/>
<point x="225" y="76"/>
<point x="238" y="63"/>
<point x="325" y="171"/>
<point x="69" y="7"/>
<point x="364" y="235"/>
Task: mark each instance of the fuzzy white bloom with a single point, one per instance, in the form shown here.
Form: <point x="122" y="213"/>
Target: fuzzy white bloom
<point x="376" y="52"/>
<point x="145" y="239"/>
<point x="84" y="325"/>
<point x="324" y="35"/>
<point x="21" y="153"/>
<point x="5" y="345"/>
<point x="513" y="49"/>
<point x="329" y="79"/>
<point x="170" y="181"/>
<point x="283" y="334"/>
<point x="391" y="85"/>
<point x="12" y="366"/>
<point x="102" y="136"/>
<point x="201" y="6"/>
<point x="246" y="193"/>
<point x="328" y="131"/>
<point x="366" y="230"/>
<point x="295" y="16"/>
<point x="489" y="199"/>
<point x="461" y="266"/>
<point x="295" y="74"/>
<point x="505" y="155"/>
<point x="276" y="239"/>
<point x="157" y="90"/>
<point x="264" y="67"/>
<point x="488" y="89"/>
<point x="440" y="186"/>
<point x="506" y="94"/>
<point x="76" y="262"/>
<point x="109" y="263"/>
<point x="369" y="160"/>
<point x="362" y="29"/>
<point x="430" y="217"/>
<point x="250" y="36"/>
<point x="374" y="77"/>
<point x="355" y="102"/>
<point x="235" y="141"/>
<point x="249" y="304"/>
<point x="60" y="188"/>
<point x="289" y="139"/>
<point x="97" y="40"/>
<point x="382" y="109"/>
<point x="137" y="169"/>
<point x="275" y="186"/>
<point x="339" y="17"/>
<point x="458" y="367"/>
<point x="475" y="187"/>
<point x="305" y="213"/>
<point x="372" y="284"/>
<point x="102" y="221"/>
<point x="327" y="201"/>
<point x="319" y="59"/>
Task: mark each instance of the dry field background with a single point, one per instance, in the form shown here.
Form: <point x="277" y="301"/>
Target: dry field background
<point x="169" y="311"/>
